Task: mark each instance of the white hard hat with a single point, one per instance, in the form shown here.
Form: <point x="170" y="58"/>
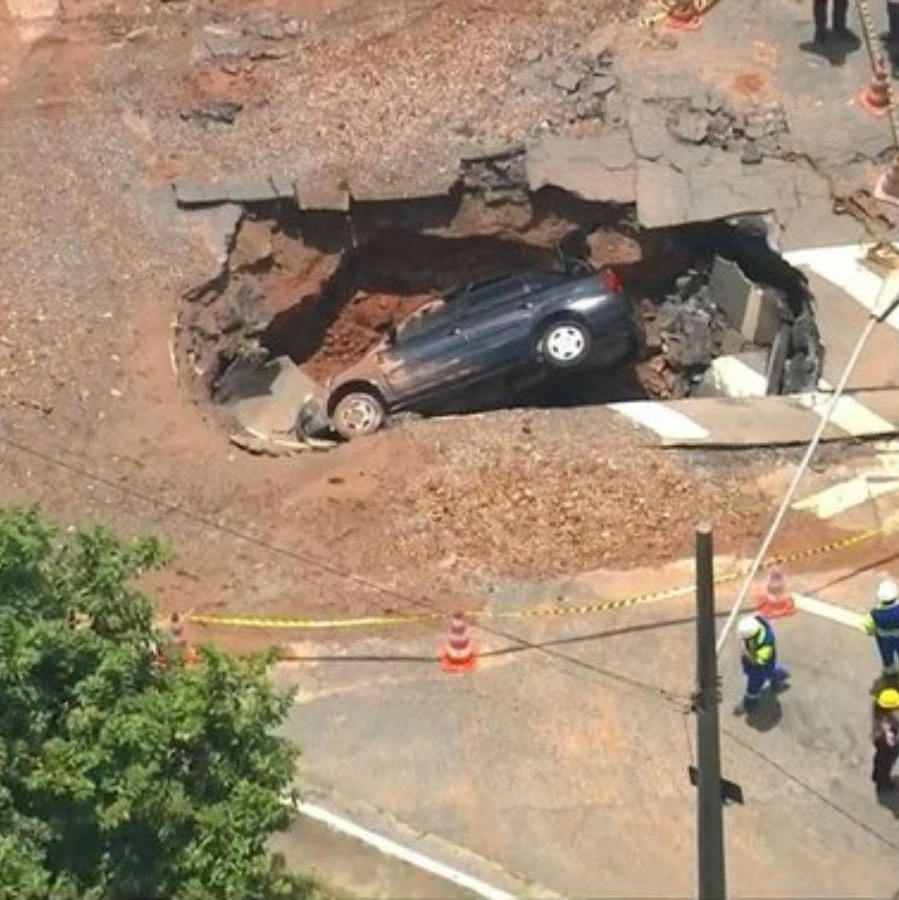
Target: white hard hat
<point x="887" y="591"/>
<point x="749" y="627"/>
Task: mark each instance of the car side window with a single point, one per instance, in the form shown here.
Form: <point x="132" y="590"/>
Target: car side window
<point x="489" y="296"/>
<point x="422" y="325"/>
<point x="538" y="281"/>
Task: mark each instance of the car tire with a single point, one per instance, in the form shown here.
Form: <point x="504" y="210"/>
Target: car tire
<point x="358" y="413"/>
<point x="565" y="343"/>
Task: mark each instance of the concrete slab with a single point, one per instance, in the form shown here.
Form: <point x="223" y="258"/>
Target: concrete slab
<point x="252" y="189"/>
<point x="268" y="402"/>
<point x="751" y="309"/>
<point x="216" y="227"/>
<point x="599" y="169"/>
<point x="763" y="421"/>
<point x="737" y="375"/>
<point x="376" y="187"/>
<point x="322" y="191"/>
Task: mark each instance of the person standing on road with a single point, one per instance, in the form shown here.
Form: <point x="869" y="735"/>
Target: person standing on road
<point x="840" y="11"/>
<point x="891" y="38"/>
<point x="885" y="734"/>
<point x="759" y="660"/>
<point x="883" y="624"/>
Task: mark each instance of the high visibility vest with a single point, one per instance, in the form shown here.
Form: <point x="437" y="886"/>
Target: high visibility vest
<point x="883" y="620"/>
<point x="760" y="648"/>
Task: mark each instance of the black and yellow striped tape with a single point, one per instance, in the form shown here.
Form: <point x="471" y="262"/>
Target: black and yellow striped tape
<point x="269" y="622"/>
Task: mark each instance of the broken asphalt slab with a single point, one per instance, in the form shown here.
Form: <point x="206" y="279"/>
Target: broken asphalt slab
<point x="749" y="61"/>
<point x="238" y="190"/>
<point x="681" y="181"/>
<point x="266" y="400"/>
<point x="598" y="169"/>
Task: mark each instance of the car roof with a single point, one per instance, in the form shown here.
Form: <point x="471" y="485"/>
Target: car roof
<point x="533" y="276"/>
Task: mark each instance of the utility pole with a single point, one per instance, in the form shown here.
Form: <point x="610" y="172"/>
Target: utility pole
<point x="710" y="810"/>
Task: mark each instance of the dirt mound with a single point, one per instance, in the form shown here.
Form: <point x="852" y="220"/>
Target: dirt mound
<point x="543" y="493"/>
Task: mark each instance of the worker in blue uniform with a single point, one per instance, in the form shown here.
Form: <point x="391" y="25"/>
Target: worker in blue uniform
<point x="759" y="659"/>
<point x="885" y="735"/>
<point x="883" y="623"/>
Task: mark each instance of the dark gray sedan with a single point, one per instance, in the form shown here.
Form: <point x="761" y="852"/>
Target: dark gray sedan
<point x="518" y="328"/>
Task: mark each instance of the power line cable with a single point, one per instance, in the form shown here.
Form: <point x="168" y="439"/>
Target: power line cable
<point x="669" y="697"/>
<point x="890" y="285"/>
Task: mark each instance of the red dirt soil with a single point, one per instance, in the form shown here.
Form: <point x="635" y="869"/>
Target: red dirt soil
<point x="362" y="323"/>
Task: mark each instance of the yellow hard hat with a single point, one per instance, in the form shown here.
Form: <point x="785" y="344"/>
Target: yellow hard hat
<point x="888" y="698"/>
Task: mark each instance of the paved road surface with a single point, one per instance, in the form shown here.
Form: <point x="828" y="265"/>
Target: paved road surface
<point x="576" y="778"/>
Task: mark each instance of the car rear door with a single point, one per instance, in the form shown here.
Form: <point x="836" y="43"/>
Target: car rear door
<point x="498" y="326"/>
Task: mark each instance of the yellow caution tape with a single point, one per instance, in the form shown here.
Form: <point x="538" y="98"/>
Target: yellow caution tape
<point x="264" y="622"/>
<point x="534" y="612"/>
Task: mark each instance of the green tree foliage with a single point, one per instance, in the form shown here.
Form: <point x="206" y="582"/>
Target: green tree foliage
<point x="121" y="778"/>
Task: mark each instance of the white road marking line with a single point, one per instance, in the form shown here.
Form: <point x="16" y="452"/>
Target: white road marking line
<point x="847" y="494"/>
<point x="849" y="415"/>
<point x="664" y="421"/>
<point x="735" y="378"/>
<point x="842" y="267"/>
<point x="407" y="855"/>
<point x="828" y="611"/>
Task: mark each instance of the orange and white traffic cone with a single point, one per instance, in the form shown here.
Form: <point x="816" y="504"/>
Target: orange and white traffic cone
<point x="777" y="601"/>
<point x="875" y="99"/>
<point x="887" y="188"/>
<point x="458" y="653"/>
<point x="187" y="651"/>
<point x="683" y="16"/>
<point x="176" y="629"/>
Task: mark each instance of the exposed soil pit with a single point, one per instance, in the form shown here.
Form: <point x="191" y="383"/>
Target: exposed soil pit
<point x="323" y="289"/>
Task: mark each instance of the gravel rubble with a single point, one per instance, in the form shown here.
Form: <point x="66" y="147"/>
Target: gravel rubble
<point x="538" y="493"/>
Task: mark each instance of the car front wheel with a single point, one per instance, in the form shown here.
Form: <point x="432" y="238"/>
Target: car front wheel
<point x="565" y="344"/>
<point x="358" y="413"/>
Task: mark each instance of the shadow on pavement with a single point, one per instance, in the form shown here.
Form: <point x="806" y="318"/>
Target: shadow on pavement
<point x="889" y="800"/>
<point x="766" y="715"/>
<point x="835" y="49"/>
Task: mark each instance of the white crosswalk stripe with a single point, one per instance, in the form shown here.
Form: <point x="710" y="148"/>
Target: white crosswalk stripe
<point x="664" y="420"/>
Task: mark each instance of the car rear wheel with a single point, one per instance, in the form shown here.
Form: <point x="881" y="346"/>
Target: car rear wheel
<point x="565" y="344"/>
<point x="358" y="413"/>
